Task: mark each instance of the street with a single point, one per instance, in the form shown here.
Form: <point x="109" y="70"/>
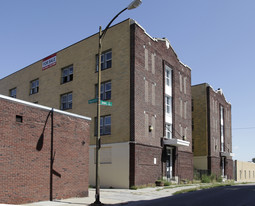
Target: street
<point x="241" y="195"/>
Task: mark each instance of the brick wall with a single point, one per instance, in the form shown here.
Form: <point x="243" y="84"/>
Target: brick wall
<point x="147" y="164"/>
<point x="215" y="165"/>
<point x="24" y="171"/>
<point x="217" y="99"/>
<point x="148" y="57"/>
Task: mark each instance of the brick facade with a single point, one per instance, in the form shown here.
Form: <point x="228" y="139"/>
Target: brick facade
<point x="148" y="57"/>
<point x="24" y="171"/>
<point x="138" y="119"/>
<point x="207" y="104"/>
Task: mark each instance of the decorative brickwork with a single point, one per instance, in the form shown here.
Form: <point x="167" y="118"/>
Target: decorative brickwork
<point x="148" y="58"/>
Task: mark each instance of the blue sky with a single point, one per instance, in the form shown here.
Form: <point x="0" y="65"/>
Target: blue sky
<point x="215" y="38"/>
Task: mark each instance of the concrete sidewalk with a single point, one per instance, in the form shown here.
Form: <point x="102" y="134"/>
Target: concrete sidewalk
<point x="115" y="196"/>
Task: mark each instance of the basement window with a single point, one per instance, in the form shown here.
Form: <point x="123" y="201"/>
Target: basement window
<point x="19" y="118"/>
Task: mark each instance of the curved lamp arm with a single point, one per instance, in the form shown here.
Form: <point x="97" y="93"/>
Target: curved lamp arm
<point x="134" y="4"/>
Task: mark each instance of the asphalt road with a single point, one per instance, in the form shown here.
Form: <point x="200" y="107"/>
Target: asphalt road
<point x="241" y="195"/>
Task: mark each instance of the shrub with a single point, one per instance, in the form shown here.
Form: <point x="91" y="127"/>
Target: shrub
<point x="219" y="179"/>
<point x="166" y="183"/>
<point x="205" y="179"/>
<point x="133" y="187"/>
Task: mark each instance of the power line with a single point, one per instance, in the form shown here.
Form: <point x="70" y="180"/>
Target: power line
<point x="243" y="128"/>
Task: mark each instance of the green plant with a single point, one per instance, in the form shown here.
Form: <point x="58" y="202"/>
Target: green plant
<point x="133" y="187"/>
<point x="219" y="179"/>
<point x="212" y="177"/>
<point x="166" y="183"/>
<point x="205" y="179"/>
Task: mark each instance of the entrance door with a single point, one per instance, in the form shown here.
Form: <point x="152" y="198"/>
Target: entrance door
<point x="169" y="164"/>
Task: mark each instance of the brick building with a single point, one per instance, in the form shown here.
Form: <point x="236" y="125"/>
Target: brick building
<point x="25" y="172"/>
<point x="146" y="134"/>
<point x="211" y="131"/>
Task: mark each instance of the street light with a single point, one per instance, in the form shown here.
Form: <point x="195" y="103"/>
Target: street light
<point x="134" y="4"/>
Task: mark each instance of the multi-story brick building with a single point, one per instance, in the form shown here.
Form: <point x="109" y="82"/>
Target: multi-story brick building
<point x="28" y="142"/>
<point x="211" y="131"/>
<point x="146" y="134"/>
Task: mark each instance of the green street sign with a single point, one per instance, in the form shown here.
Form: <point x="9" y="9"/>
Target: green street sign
<point x="92" y="101"/>
<point x="105" y="103"/>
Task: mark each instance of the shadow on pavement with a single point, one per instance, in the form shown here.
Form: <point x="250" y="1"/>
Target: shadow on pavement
<point x="221" y="196"/>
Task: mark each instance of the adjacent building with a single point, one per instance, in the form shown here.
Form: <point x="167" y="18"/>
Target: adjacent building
<point x="244" y="171"/>
<point x="146" y="133"/>
<point x="29" y="134"/>
<point x="211" y="131"/>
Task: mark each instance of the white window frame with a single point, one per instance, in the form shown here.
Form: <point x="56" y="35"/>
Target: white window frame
<point x="106" y="60"/>
<point x="66" y="101"/>
<point x="105" y="125"/>
<point x="67" y="74"/>
<point x="106" y="93"/>
<point x="13" y="92"/>
<point x="169" y="131"/>
<point x="34" y="86"/>
<point x="222" y="128"/>
<point x="168" y="105"/>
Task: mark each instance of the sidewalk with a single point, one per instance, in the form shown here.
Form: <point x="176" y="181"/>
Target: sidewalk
<point x="115" y="196"/>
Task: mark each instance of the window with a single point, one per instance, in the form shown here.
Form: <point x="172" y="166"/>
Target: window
<point x="19" y="118"/>
<point x="66" y="101"/>
<point x="168" y="76"/>
<point x="168" y="105"/>
<point x="169" y="131"/>
<point x="106" y="90"/>
<point x="13" y="92"/>
<point x="106" y="60"/>
<point x="105" y="125"/>
<point x="67" y="74"/>
<point x="34" y="86"/>
<point x="222" y="128"/>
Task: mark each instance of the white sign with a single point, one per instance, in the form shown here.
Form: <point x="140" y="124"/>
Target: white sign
<point x="49" y="61"/>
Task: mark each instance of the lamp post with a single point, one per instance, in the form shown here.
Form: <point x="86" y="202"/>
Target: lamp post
<point x="134" y="4"/>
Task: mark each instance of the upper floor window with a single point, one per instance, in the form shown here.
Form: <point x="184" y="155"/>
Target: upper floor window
<point x="106" y="90"/>
<point x="66" y="101"/>
<point x="34" y="86"/>
<point x="105" y="125"/>
<point x="222" y="128"/>
<point x="67" y="74"/>
<point x="169" y="131"/>
<point x="13" y="92"/>
<point x="106" y="60"/>
<point x="168" y="105"/>
<point x="168" y="76"/>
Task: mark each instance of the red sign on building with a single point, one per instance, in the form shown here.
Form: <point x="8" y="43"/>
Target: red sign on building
<point x="49" y="61"/>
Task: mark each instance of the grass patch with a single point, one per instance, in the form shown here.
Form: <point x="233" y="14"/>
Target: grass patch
<point x="186" y="190"/>
<point x="205" y="186"/>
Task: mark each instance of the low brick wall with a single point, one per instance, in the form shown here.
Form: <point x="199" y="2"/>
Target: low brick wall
<point x="25" y="174"/>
